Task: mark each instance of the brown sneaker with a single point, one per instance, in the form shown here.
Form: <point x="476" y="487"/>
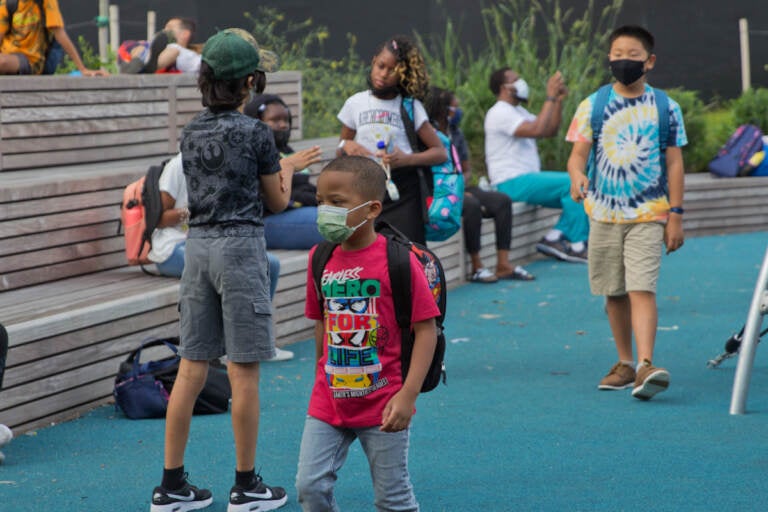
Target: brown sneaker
<point x="650" y="381"/>
<point x="621" y="376"/>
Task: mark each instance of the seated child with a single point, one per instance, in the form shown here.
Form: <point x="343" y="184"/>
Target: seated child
<point x="296" y="226"/>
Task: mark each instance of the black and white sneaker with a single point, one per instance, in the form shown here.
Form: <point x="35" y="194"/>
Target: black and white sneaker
<point x="188" y="497"/>
<point x="259" y="497"/>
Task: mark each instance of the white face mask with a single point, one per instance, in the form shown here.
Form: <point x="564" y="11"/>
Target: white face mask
<point x="522" y="89"/>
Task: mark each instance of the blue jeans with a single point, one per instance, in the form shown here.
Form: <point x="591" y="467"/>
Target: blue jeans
<point x="551" y="189"/>
<point x="323" y="451"/>
<point x="292" y="229"/>
<point x="174" y="265"/>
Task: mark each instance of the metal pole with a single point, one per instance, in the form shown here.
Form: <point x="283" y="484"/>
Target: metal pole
<point x="103" y="31"/>
<point x="749" y="343"/>
<point x="151" y="24"/>
<point x="114" y="27"/>
<point x="746" y="80"/>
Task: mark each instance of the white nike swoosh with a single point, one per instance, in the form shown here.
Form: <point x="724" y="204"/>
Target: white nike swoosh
<point x="263" y="495"/>
<point x="190" y="497"/>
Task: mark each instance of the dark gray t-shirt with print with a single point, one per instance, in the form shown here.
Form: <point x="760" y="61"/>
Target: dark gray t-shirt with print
<point x="223" y="156"/>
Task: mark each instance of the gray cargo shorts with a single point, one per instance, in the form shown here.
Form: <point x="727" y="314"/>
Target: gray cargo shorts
<point x="224" y="300"/>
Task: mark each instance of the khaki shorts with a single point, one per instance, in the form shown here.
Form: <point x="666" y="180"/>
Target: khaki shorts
<point x="624" y="257"/>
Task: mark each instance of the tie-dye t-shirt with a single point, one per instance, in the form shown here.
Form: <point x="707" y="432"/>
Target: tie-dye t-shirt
<point x="359" y="371"/>
<point x="626" y="181"/>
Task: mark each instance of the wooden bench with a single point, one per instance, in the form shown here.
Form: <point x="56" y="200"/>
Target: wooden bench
<point x="72" y="308"/>
<point x="59" y="120"/>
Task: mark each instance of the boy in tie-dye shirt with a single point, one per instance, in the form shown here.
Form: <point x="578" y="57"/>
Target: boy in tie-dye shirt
<point x="634" y="202"/>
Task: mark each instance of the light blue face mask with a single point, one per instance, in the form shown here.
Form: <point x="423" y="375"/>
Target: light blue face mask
<point x="332" y="222"/>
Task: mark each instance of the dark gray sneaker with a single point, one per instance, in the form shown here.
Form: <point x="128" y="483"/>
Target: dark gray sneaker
<point x="186" y="498"/>
<point x="259" y="497"/>
<point x="558" y="249"/>
<point x="576" y="256"/>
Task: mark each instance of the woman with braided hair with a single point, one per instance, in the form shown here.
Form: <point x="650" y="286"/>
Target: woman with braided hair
<point x="398" y="85"/>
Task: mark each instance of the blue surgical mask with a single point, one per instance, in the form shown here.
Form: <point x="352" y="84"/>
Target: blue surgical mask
<point x="332" y="222"/>
<point x="456" y="118"/>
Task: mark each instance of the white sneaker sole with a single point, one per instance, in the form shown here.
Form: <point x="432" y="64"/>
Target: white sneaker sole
<point x="608" y="387"/>
<point x="551" y="251"/>
<point x="181" y="506"/>
<point x="257" y="505"/>
<point x="281" y="355"/>
<point x="653" y="384"/>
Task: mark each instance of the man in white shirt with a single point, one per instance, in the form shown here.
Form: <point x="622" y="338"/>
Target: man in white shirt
<point x="177" y="53"/>
<point x="514" y="167"/>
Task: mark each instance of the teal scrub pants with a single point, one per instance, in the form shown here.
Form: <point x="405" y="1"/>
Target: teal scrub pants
<point x="551" y="189"/>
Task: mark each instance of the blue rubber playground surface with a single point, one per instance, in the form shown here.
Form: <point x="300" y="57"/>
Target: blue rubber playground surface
<point x="520" y="425"/>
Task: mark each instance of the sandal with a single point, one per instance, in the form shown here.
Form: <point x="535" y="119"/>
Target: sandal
<point x="519" y="274"/>
<point x="483" y="275"/>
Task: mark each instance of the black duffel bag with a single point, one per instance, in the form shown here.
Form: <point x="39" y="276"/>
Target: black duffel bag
<point x="142" y="389"/>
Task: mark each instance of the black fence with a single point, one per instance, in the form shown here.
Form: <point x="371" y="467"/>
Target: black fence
<point x="697" y="42"/>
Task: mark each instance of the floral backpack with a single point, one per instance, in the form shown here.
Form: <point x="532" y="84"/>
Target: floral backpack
<point x="445" y="203"/>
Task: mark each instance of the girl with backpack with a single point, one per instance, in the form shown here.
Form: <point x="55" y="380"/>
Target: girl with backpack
<point x="444" y="113"/>
<point x="398" y="75"/>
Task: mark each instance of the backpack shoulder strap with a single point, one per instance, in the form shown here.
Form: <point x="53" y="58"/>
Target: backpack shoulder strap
<point x="406" y="113"/>
<point x="320" y="258"/>
<point x="598" y="110"/>
<point x="399" y="267"/>
<point x="11" y="6"/>
<point x="153" y="207"/>
<point x="151" y="199"/>
<point x="662" y="105"/>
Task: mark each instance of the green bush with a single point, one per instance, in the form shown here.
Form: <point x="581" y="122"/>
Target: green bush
<point x="535" y="38"/>
<point x="326" y="83"/>
<point x="90" y="58"/>
<point x="698" y="152"/>
<point x="752" y="108"/>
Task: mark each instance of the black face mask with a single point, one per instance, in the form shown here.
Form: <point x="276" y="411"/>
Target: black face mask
<point x="384" y="92"/>
<point x="627" y="71"/>
<point x="281" y="139"/>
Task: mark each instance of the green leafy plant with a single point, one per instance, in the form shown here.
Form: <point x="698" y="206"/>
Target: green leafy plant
<point x="326" y="83"/>
<point x="535" y="38"/>
<point x="90" y="58"/>
<point x="698" y="152"/>
<point x="752" y="108"/>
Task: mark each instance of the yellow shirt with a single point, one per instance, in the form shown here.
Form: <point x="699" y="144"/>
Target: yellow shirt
<point x="26" y="34"/>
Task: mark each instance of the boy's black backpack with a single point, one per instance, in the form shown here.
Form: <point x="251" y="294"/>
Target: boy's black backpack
<point x="55" y="53"/>
<point x="733" y="158"/>
<point x="399" y="266"/>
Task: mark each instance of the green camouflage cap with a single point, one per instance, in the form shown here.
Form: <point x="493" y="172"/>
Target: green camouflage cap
<point x="233" y="53"/>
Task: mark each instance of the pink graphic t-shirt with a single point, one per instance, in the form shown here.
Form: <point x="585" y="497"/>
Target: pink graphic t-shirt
<point x="360" y="370"/>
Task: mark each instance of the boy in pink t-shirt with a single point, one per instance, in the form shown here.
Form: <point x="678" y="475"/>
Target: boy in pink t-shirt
<point x="359" y="391"/>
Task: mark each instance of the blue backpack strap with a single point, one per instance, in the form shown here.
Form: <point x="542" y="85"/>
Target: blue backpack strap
<point x="406" y="113"/>
<point x="598" y="111"/>
<point x="662" y="105"/>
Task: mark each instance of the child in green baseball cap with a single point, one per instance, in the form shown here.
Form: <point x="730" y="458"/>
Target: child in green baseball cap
<point x="232" y="169"/>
